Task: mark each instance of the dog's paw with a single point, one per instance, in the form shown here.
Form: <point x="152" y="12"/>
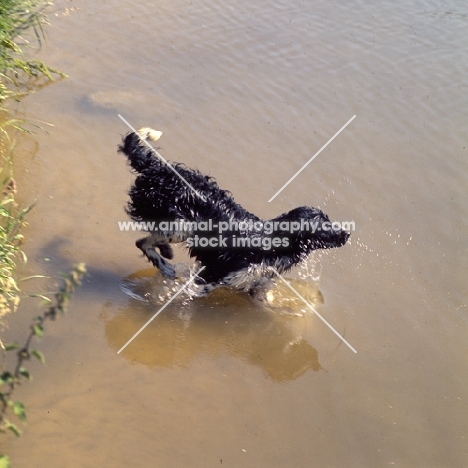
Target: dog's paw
<point x="167" y="270"/>
<point x="147" y="133"/>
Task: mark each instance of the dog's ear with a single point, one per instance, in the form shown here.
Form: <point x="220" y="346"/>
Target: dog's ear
<point x="147" y="133"/>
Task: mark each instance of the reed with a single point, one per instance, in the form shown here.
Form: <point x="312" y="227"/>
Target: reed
<point x="21" y="29"/>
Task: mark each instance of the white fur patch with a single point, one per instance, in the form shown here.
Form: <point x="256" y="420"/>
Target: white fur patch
<point x="247" y="277"/>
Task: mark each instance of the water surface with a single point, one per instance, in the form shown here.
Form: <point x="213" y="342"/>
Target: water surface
<point x="248" y="92"/>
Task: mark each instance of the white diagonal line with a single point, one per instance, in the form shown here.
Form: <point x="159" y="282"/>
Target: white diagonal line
<point x="312" y="158"/>
<point x="313" y="309"/>
<point x="186" y="285"/>
<point x="160" y="157"/>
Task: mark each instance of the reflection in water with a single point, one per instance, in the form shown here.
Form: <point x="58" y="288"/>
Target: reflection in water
<point x="224" y="322"/>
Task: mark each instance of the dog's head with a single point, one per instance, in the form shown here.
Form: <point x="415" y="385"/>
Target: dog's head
<point x="327" y="234"/>
<point x="314" y="229"/>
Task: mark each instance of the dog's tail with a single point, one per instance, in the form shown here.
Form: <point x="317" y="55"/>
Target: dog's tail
<point x="140" y="155"/>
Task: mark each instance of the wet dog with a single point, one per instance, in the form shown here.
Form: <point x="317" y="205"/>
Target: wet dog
<point x="236" y="248"/>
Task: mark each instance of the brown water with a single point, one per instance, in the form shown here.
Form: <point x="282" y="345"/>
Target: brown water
<point x="248" y="92"/>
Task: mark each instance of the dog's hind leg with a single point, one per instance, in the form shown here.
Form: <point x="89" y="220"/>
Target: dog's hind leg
<point x="148" y="246"/>
<point x="167" y="270"/>
<point x="165" y="250"/>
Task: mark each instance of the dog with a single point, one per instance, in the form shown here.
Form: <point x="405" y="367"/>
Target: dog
<point x="235" y="248"/>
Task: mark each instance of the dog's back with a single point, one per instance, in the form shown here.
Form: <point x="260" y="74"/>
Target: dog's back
<point x="164" y="192"/>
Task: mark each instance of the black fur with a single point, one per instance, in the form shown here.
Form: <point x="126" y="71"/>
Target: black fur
<point x="159" y="194"/>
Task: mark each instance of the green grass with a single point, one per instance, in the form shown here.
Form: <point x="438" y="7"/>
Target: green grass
<point x="21" y="24"/>
<point x="11" y="222"/>
<point x="21" y="34"/>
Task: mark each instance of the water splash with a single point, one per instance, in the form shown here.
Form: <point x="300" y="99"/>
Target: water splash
<point x="150" y="287"/>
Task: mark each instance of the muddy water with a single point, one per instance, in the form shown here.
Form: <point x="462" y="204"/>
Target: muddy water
<point x="248" y="92"/>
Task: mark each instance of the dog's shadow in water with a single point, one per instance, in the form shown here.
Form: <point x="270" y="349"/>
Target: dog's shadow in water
<point x="223" y="323"/>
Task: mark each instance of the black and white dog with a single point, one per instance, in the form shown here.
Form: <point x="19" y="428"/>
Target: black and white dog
<point x="236" y="248"/>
